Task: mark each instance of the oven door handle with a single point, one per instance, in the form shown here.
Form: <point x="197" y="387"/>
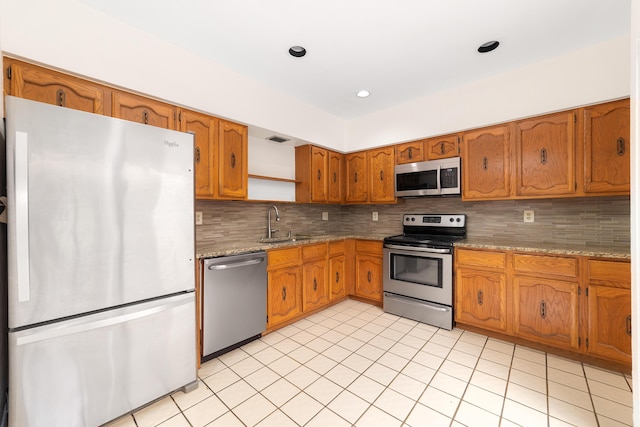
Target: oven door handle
<point x="416" y="248"/>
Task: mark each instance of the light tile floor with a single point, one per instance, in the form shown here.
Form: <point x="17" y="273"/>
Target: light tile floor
<point x="352" y="364"/>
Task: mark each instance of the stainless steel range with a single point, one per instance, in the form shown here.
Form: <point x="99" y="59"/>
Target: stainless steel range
<point x="418" y="268"/>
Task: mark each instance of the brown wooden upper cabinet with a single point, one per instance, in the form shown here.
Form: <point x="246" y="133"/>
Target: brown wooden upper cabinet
<point x="139" y="109"/>
<point x="318" y="175"/>
<point x="410" y="152"/>
<point x="545" y="155"/>
<point x="357" y="180"/>
<point x="486" y="163"/>
<point x="442" y="147"/>
<point x="205" y="131"/>
<point x="606" y="135"/>
<point x="40" y="84"/>
<point x="370" y="176"/>
<point x="233" y="160"/>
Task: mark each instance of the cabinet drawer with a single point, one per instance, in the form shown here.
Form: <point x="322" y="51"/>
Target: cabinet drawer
<point x="481" y="258"/>
<point x="369" y="246"/>
<point x="612" y="273"/>
<point x="337" y="248"/>
<point x="312" y="252"/>
<point x="541" y="264"/>
<point x="281" y="257"/>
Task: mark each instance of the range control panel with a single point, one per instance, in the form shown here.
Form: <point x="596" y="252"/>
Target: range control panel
<point x="432" y="220"/>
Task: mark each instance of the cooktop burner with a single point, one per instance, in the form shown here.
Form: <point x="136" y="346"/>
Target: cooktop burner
<point x="433" y="230"/>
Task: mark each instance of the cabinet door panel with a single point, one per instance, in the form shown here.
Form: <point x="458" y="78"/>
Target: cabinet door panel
<point x="336" y="277"/>
<point x="369" y="277"/>
<point x="42" y="85"/>
<point x="610" y="323"/>
<point x="410" y="152"/>
<point x="319" y="166"/>
<point x="284" y="295"/>
<point x="481" y="299"/>
<point x="545" y="155"/>
<point x="441" y="147"/>
<point x="232" y="161"/>
<point x="205" y="131"/>
<point x="143" y="110"/>
<point x="336" y="177"/>
<point x="546" y="311"/>
<point x="485" y="163"/>
<point x="381" y="169"/>
<point x="606" y="148"/>
<point x="314" y="279"/>
<point x="356" y="171"/>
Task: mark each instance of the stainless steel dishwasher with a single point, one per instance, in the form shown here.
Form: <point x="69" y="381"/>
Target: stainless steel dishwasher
<point x="234" y="295"/>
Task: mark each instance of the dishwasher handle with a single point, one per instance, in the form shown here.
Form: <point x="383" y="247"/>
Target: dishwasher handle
<point x="227" y="265"/>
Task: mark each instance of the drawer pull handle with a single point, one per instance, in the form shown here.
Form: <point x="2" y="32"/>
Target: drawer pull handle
<point x="356" y="177"/>
<point x="480" y="298"/>
<point x="145" y="117"/>
<point x="197" y="155"/>
<point x="620" y="147"/>
<point x="485" y="163"/>
<point x="319" y="175"/>
<point x="410" y="153"/>
<point x="442" y="147"/>
<point x="543" y="309"/>
<point x="369" y="276"/>
<point x="629" y="325"/>
<point x="284" y="293"/>
<point x="335" y="177"/>
<point x="315" y="284"/>
<point x="233" y="160"/>
<point x="381" y="175"/>
<point x="543" y="156"/>
<point x="337" y="276"/>
<point x="61" y="98"/>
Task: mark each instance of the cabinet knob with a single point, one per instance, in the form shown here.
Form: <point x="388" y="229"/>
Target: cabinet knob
<point x="381" y="175"/>
<point x="442" y="147"/>
<point x="337" y="276"/>
<point x="543" y="156"/>
<point x="145" y="117"/>
<point x="629" y="325"/>
<point x="335" y="177"/>
<point x="485" y="163"/>
<point x="620" y="147"/>
<point x="543" y="309"/>
<point x="197" y="155"/>
<point x="315" y="284"/>
<point x="355" y="177"/>
<point x="284" y="293"/>
<point x="410" y="153"/>
<point x="61" y="98"/>
<point x="480" y="297"/>
<point x="319" y="175"/>
<point x="233" y="160"/>
<point x="369" y="276"/>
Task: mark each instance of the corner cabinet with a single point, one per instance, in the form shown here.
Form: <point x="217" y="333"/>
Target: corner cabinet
<point x="319" y="175"/>
<point x="480" y="291"/>
<point x="606" y="134"/>
<point x="370" y="176"/>
<point x="486" y="164"/>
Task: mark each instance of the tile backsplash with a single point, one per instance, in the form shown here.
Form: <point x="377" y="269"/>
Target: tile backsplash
<point x="577" y="221"/>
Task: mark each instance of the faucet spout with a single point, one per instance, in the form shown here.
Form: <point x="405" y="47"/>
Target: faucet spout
<point x="270" y="231"/>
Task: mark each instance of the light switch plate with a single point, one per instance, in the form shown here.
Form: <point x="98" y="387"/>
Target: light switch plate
<point x="374" y="216"/>
<point x="198" y="218"/>
<point x="529" y="216"/>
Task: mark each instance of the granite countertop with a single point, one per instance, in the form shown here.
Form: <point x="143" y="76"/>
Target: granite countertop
<point x="210" y="250"/>
<point x="550" y="248"/>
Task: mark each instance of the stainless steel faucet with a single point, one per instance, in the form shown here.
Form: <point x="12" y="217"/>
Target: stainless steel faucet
<point x="270" y="231"/>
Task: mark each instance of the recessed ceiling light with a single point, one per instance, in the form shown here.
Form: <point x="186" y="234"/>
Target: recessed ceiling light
<point x="297" y="51"/>
<point x="363" y="93"/>
<point x="488" y="46"/>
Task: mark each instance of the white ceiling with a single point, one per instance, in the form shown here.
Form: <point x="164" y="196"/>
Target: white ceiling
<point x="397" y="50"/>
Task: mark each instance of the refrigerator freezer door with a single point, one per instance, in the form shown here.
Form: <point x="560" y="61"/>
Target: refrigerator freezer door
<point x="92" y="369"/>
<point x="100" y="212"/>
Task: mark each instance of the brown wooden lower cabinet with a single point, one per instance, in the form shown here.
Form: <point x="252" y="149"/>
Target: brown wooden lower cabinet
<point x="368" y="270"/>
<point x="284" y="285"/>
<point x="574" y="303"/>
<point x="315" y="292"/>
<point x="337" y="270"/>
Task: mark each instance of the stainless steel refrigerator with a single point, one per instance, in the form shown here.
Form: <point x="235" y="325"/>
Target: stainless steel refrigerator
<point x="100" y="265"/>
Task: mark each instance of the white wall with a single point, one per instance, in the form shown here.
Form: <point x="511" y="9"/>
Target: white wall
<point x="588" y="76"/>
<point x="71" y="36"/>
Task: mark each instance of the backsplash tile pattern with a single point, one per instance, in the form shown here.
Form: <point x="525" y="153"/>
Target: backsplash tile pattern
<point x="583" y="222"/>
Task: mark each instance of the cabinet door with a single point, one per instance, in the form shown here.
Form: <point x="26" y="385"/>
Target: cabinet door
<point x="314" y="279"/>
<point x="606" y="148"/>
<point x="481" y="299"/>
<point x="546" y="311"/>
<point x="232" y="161"/>
<point x="369" y="277"/>
<point x="336" y="177"/>
<point x="485" y="164"/>
<point x="42" y="85"/>
<point x="381" y="169"/>
<point x="409" y="152"/>
<point x="336" y="277"/>
<point x="441" y="147"/>
<point x="205" y="131"/>
<point x="284" y="294"/>
<point x="356" y="171"/>
<point x="545" y="155"/>
<point x="610" y="323"/>
<point x="319" y="167"/>
<point x="143" y="110"/>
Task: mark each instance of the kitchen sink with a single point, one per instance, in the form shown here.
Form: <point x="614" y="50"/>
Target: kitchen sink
<point x="294" y="238"/>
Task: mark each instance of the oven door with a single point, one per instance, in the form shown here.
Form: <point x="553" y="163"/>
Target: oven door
<point x="417" y="274"/>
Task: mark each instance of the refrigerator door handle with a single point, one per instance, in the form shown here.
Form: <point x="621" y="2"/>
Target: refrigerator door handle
<point x="21" y="171"/>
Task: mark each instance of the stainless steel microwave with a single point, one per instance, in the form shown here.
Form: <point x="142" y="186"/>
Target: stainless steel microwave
<point x="430" y="178"/>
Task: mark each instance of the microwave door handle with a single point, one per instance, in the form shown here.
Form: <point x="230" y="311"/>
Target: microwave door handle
<point x="438" y="181"/>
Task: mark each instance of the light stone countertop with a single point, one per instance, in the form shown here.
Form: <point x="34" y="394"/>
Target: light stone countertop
<point x="554" y="248"/>
<point x="210" y="250"/>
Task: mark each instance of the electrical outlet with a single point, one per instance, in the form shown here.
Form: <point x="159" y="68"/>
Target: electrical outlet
<point x="529" y="216"/>
<point x="374" y="216"/>
<point x="198" y="218"/>
<point x="325" y="216"/>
